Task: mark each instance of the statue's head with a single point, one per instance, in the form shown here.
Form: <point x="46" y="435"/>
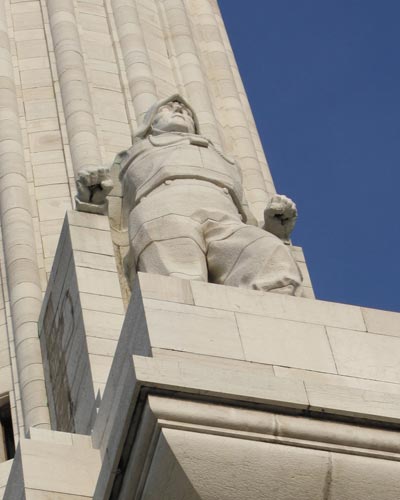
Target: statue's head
<point x="172" y="114"/>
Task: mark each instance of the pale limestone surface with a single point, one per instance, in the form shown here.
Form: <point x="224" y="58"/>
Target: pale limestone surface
<point x="298" y="338"/>
<point x="76" y="79"/>
<point x="187" y="212"/>
<point x="20" y="272"/>
<point x="5" y="469"/>
<point x="53" y="465"/>
<point x="214" y="421"/>
<point x="210" y="451"/>
<point x="178" y="435"/>
<point x="81" y="320"/>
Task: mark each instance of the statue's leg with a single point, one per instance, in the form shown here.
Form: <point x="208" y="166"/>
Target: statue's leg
<point x="166" y="240"/>
<point x="253" y="258"/>
<point x="179" y="257"/>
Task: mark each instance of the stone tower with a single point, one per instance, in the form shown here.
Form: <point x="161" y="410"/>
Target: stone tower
<point x="117" y="383"/>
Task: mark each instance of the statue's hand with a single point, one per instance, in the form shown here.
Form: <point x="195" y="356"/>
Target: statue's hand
<point x="280" y="216"/>
<point x="93" y="185"/>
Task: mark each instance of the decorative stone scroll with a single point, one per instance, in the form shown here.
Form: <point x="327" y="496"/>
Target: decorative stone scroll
<point x="187" y="214"/>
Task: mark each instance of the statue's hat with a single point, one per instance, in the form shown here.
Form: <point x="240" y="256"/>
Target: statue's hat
<point x="153" y="110"/>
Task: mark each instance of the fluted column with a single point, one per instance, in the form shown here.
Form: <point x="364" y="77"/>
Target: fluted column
<point x="136" y="59"/>
<point x="190" y="67"/>
<point x="75" y="92"/>
<point x="19" y="245"/>
<point x="232" y="114"/>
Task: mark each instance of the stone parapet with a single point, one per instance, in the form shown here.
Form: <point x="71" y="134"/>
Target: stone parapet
<point x="209" y="381"/>
<point x="213" y="392"/>
<point x="312" y="340"/>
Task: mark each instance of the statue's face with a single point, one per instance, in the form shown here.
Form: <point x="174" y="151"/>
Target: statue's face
<point x="174" y="117"/>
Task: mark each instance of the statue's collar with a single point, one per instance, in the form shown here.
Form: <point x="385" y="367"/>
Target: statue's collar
<point x="170" y="138"/>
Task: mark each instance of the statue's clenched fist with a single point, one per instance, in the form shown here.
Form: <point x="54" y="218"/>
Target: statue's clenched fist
<point x="280" y="216"/>
<point x="93" y="185"/>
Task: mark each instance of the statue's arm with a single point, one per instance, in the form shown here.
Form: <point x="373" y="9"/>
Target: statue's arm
<point x="93" y="186"/>
<point x="280" y="216"/>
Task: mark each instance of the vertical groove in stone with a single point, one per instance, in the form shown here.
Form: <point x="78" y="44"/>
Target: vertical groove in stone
<point x="270" y="187"/>
<point x="75" y="93"/>
<point x="134" y="51"/>
<point x="190" y="68"/>
<point x="122" y="73"/>
<point x="19" y="245"/>
<point x="232" y="114"/>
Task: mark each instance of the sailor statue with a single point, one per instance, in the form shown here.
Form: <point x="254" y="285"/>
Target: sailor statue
<point x="187" y="214"/>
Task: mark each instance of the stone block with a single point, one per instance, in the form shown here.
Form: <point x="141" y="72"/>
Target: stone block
<point x="40" y="109"/>
<point x="225" y="363"/>
<point x="98" y="282"/>
<point x="154" y="286"/>
<point x="34" y="63"/>
<point x="278" y="306"/>
<point x="102" y="303"/>
<point x="54" y="208"/>
<point x="363" y="478"/>
<point x="94" y="261"/>
<point x="223" y="467"/>
<point x="31" y="48"/>
<point x="193" y="329"/>
<point x="286" y="343"/>
<point x="359" y="403"/>
<point x="36" y="78"/>
<point x="207" y="376"/>
<point x="110" y="105"/>
<point x="366" y="355"/>
<point x="49" y="140"/>
<point x="384" y="322"/>
<point x="320" y="378"/>
<point x="49" y="191"/>
<point x="42" y="124"/>
<point x="5" y="468"/>
<point x="74" y="470"/>
<point x="47" y="157"/>
<point x="49" y="436"/>
<point x="253" y="448"/>
<point x="103" y="325"/>
<point x="44" y="175"/>
<point x="89" y="221"/>
<point x="101" y="346"/>
<point x="22" y="21"/>
<point x="86" y="239"/>
<point x="25" y="7"/>
<point x="94" y="22"/>
<point x="100" y="367"/>
<point x="34" y="34"/>
<point x="50" y="243"/>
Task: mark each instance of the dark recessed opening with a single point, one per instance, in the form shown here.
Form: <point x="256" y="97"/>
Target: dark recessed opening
<point x="6" y="429"/>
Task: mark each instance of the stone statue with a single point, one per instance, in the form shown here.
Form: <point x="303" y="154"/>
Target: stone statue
<point x="187" y="213"/>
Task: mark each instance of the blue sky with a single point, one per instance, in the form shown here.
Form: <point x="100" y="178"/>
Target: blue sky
<point x="323" y="80"/>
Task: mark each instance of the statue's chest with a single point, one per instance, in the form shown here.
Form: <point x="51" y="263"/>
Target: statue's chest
<point x="183" y="155"/>
<point x="180" y="159"/>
